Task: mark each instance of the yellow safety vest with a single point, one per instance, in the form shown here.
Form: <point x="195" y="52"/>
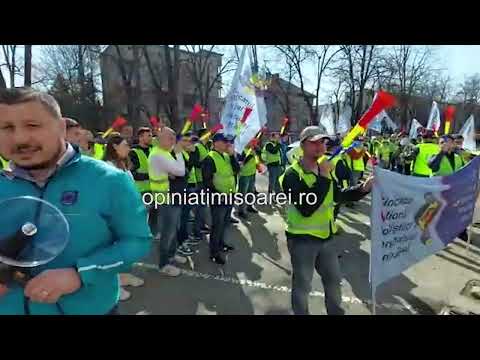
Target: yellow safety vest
<point x="159" y="183"/>
<point x="224" y="178"/>
<point x="250" y="167"/>
<point x="321" y="223"/>
<point x="142" y="185"/>
<point x="355" y="165"/>
<point x="99" y="151"/>
<point x="268" y="157"/>
<point x="446" y="167"/>
<point x="344" y="183"/>
<point x="203" y="152"/>
<point x="192" y="178"/>
<point x="383" y="151"/>
<point x="4" y="163"/>
<point x="420" y="165"/>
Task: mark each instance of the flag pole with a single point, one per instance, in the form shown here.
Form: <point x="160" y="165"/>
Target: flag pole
<point x="469" y="240"/>
<point x="374" y="300"/>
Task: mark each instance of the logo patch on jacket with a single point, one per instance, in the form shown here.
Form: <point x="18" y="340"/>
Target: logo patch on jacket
<point x="69" y="197"/>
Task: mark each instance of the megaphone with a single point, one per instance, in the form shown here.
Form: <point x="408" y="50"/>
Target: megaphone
<point x="33" y="232"/>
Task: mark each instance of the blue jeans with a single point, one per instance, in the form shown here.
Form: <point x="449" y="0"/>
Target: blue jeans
<point x="201" y="215"/>
<point x="308" y="253"/>
<point x="246" y="184"/>
<point x="182" y="234"/>
<point x="168" y="223"/>
<point x="274" y="173"/>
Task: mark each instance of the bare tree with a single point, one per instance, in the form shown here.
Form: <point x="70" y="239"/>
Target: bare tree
<point x="297" y="56"/>
<point x="157" y="75"/>
<point x="74" y="62"/>
<point x="172" y="64"/>
<point x="28" y="66"/>
<point x="337" y="96"/>
<point x="436" y="86"/>
<point x="323" y="55"/>
<point x="357" y="68"/>
<point x="11" y="57"/>
<point x="410" y="65"/>
<point x="470" y="89"/>
<point x="200" y="68"/>
<point x="3" y="84"/>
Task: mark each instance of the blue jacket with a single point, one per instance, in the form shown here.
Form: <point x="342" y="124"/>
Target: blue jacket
<point x="108" y="233"/>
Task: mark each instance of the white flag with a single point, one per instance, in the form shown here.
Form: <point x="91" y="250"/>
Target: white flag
<point x="413" y="129"/>
<point x="468" y="132"/>
<point x="377" y="122"/>
<point x="326" y="120"/>
<point x="245" y="93"/>
<point x="344" y="120"/>
<point x="434" y="118"/>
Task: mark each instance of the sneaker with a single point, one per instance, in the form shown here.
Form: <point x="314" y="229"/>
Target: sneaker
<point x="170" y="270"/>
<point x="233" y="220"/>
<point x="227" y="248"/>
<point x="185" y="250"/>
<point x="180" y="259"/>
<point x="130" y="280"/>
<point x="252" y="209"/>
<point x="218" y="259"/>
<point x="124" y="294"/>
<point x="157" y="237"/>
<point x="193" y="240"/>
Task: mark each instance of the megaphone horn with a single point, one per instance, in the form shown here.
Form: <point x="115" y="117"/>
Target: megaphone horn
<point x="13" y="245"/>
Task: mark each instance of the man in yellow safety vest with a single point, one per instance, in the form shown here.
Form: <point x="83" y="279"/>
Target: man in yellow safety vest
<point x="219" y="172"/>
<point x="272" y="157"/>
<point x="161" y="167"/>
<point x="423" y="152"/>
<point x="311" y="224"/>
<point x="249" y="160"/>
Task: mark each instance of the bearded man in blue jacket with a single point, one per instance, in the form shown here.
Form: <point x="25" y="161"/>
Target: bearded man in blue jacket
<point x="107" y="219"/>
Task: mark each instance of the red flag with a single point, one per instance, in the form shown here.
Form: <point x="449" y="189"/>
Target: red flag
<point x="154" y="121"/>
<point x="284" y="128"/>
<point x="196" y="113"/>
<point x="383" y="101"/>
<point x="246" y="114"/>
<point x="449" y="116"/>
<point x="117" y="124"/>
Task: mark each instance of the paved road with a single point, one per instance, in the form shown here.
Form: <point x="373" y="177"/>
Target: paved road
<point x="256" y="279"/>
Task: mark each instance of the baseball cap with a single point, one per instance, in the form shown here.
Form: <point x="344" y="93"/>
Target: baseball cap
<point x="219" y="137"/>
<point x="230" y="138"/>
<point x="313" y="133"/>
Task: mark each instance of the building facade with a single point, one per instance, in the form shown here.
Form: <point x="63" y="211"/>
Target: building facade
<point x="283" y="99"/>
<point x="151" y="92"/>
